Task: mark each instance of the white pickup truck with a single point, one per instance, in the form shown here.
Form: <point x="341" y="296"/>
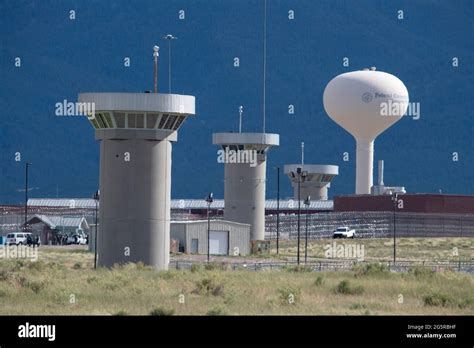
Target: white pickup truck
<point x="344" y="232"/>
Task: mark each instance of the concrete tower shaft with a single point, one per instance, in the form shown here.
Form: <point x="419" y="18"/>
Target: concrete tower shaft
<point x="244" y="183"/>
<point x="136" y="132"/>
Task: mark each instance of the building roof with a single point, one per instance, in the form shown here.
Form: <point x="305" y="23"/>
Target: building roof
<point x="190" y="222"/>
<point x="185" y="204"/>
<point x="62" y="202"/>
<point x="56" y="221"/>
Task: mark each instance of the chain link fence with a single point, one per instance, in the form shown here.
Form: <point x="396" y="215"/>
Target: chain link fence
<point x="372" y="224"/>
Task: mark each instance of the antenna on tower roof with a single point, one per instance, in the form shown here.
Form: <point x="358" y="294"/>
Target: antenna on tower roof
<point x="302" y="152"/>
<point x="241" y="111"/>
<point x="264" y="59"/>
<point x="169" y="37"/>
<point x="155" y="66"/>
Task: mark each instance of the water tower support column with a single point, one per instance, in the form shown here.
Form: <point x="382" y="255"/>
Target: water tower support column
<point x="364" y="166"/>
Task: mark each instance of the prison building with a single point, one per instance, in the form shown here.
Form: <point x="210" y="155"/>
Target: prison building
<point x="226" y="237"/>
<point x="48" y="227"/>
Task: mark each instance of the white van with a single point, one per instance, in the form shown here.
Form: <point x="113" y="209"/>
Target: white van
<point x="17" y="238"/>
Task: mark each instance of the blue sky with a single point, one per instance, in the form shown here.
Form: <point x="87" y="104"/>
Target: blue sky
<point x="61" y="57"/>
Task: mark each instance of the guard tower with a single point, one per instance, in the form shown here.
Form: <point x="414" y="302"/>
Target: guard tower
<point x="244" y="183"/>
<point x="136" y="131"/>
<point x="317" y="180"/>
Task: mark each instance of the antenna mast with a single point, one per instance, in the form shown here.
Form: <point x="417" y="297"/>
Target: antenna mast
<point x="241" y="111"/>
<point x="155" y="67"/>
<point x="302" y="153"/>
<point x="169" y="37"/>
<point x="264" y="59"/>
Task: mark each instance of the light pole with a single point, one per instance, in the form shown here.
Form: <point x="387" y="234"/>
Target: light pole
<point x="394" y="206"/>
<point x="307" y="202"/>
<point x="209" y="200"/>
<point x="278" y="209"/>
<point x="27" y="165"/>
<point x="300" y="175"/>
<point x="169" y="37"/>
<point x="96" y="199"/>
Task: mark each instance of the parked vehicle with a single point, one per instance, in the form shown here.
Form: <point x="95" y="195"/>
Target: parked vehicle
<point x="344" y="232"/>
<point x="77" y="238"/>
<point x="17" y="238"/>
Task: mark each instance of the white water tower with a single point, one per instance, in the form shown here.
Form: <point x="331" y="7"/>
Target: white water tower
<point x="365" y="103"/>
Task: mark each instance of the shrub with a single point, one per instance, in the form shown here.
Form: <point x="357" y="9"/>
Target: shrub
<point x="4" y="275"/>
<point x="36" y="265"/>
<point x="421" y="272"/>
<point x="345" y="287"/>
<point x="298" y="269"/>
<point x="120" y="313"/>
<point x="212" y="266"/>
<point x="18" y="264"/>
<point x="466" y="303"/>
<point x="20" y="280"/>
<point x="435" y="299"/>
<point x="370" y="269"/>
<point x="357" y="306"/>
<point x="160" y="311"/>
<point x="36" y="286"/>
<point x="209" y="285"/>
<point x="288" y="295"/>
<point x="170" y="274"/>
<point x="92" y="279"/>
<point x="319" y="281"/>
<point x="140" y="266"/>
<point x="196" y="268"/>
<point x="217" y="310"/>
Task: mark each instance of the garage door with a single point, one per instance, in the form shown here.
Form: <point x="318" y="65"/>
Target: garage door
<point x="219" y="242"/>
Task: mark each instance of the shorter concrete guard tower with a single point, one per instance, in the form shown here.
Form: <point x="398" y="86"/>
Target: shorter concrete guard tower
<point x="244" y="184"/>
<point x="135" y="132"/>
<point x="317" y="180"/>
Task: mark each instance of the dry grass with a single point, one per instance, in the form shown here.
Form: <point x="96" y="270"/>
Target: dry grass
<point x="55" y="285"/>
<point x="381" y="249"/>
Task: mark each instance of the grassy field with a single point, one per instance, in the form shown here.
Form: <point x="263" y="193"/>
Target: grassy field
<point x="381" y="249"/>
<point x="63" y="282"/>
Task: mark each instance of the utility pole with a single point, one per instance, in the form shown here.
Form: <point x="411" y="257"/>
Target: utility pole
<point x="27" y="165"/>
<point x="209" y="200"/>
<point x="278" y="209"/>
<point x="307" y="202"/>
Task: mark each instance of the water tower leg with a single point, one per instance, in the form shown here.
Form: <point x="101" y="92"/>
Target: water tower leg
<point x="364" y="166"/>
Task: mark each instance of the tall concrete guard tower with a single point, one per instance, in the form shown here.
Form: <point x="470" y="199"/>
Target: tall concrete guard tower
<point x="317" y="180"/>
<point x="136" y="131"/>
<point x="244" y="182"/>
